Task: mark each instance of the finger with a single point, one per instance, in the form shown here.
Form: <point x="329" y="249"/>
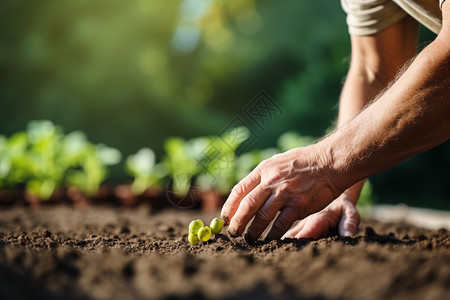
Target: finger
<point x="315" y="229"/>
<point x="291" y="233"/>
<point x="247" y="209"/>
<point x="348" y="225"/>
<point x="263" y="217"/>
<point x="283" y="222"/>
<point x="238" y="192"/>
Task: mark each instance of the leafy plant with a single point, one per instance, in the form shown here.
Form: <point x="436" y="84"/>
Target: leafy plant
<point x="219" y="160"/>
<point x="42" y="158"/>
<point x="182" y="161"/>
<point x="145" y="171"/>
<point x="209" y="162"/>
<point x="212" y="163"/>
<point x="86" y="163"/>
<point x="91" y="169"/>
<point x="14" y="157"/>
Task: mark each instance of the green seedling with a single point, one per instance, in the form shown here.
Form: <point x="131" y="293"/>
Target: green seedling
<point x="146" y="172"/>
<point x="216" y="226"/>
<point x="193" y="239"/>
<point x="204" y="234"/>
<point x="195" y="225"/>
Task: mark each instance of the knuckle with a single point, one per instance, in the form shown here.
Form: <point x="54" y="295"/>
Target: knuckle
<point x="276" y="156"/>
<point x="284" y="189"/>
<point x="267" y="163"/>
<point x="263" y="164"/>
<point x="237" y="189"/>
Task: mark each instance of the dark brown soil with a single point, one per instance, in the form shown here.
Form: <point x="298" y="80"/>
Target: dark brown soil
<point x="107" y="253"/>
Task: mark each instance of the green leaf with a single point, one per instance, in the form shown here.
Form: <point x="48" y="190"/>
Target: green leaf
<point x="181" y="184"/>
<point x="108" y="156"/>
<point x="40" y="130"/>
<point x="141" y="164"/>
<point x="180" y="157"/>
<point x="235" y="136"/>
<point x="43" y="188"/>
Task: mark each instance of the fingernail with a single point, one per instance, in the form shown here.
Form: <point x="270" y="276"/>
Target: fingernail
<point x="348" y="233"/>
<point x="232" y="233"/>
<point x="225" y="219"/>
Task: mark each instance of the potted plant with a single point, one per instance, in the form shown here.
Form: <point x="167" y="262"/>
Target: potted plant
<point x="147" y="183"/>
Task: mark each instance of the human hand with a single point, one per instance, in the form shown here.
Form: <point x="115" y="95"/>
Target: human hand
<point x="340" y="215"/>
<point x="296" y="183"/>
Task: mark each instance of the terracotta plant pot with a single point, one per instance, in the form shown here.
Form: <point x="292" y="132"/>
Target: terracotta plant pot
<point x="78" y="198"/>
<point x="125" y="196"/>
<point x="212" y="201"/>
<point x="155" y="198"/>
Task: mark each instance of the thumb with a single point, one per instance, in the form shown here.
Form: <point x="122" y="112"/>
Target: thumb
<point x="348" y="225"/>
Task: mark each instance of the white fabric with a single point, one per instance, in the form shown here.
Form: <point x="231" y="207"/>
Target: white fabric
<point x="367" y="17"/>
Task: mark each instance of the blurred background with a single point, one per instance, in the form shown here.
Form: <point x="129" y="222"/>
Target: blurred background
<point x="130" y="74"/>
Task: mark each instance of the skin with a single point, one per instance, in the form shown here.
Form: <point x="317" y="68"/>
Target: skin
<point x="375" y="61"/>
<point x="410" y="117"/>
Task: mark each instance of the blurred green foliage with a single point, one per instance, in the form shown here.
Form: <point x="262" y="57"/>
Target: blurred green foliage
<point x="42" y="158"/>
<point x="208" y="162"/>
<point x="132" y="73"/>
<point x="366" y="200"/>
<point x="145" y="172"/>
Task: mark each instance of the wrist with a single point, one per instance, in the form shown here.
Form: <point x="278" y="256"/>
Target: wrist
<point x="348" y="156"/>
<point x="323" y="157"/>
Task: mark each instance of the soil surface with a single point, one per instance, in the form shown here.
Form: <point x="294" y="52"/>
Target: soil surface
<point x="107" y="253"/>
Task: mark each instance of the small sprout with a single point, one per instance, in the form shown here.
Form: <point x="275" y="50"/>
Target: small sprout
<point x="216" y="226"/>
<point x="195" y="225"/>
<point x="204" y="233"/>
<point x="193" y="239"/>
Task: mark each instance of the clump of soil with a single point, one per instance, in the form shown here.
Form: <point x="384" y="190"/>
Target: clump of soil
<point x="106" y="253"/>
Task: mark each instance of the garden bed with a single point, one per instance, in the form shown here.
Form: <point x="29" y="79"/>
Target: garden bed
<point x="57" y="252"/>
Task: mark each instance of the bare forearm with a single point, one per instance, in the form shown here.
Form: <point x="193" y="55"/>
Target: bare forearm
<point x="375" y="61"/>
<point x="359" y="88"/>
<point x="411" y="117"/>
<point x="357" y="91"/>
